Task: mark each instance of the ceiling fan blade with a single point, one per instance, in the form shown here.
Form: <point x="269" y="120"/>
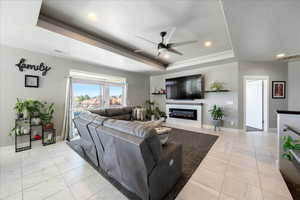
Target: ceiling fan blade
<point x="138" y="50"/>
<point x="171" y="45"/>
<point x="146" y="40"/>
<point x="175" y="51"/>
<point x="169" y="35"/>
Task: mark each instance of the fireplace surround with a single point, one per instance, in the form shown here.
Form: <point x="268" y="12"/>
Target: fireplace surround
<point x="189" y="114"/>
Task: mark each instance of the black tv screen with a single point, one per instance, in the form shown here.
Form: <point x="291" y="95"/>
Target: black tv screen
<point x="187" y="87"/>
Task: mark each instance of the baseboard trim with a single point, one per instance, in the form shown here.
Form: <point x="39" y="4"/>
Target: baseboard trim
<point x="211" y="127"/>
<point x="205" y="127"/>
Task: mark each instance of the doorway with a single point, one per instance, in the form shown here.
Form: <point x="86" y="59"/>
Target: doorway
<point x="255" y="103"/>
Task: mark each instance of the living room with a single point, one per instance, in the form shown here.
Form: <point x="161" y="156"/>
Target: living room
<point x="201" y="102"/>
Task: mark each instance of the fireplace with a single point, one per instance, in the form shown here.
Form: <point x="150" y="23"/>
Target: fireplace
<point x="190" y="114"/>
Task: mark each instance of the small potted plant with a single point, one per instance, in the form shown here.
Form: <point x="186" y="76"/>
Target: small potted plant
<point x="217" y="115"/>
<point x="163" y="115"/>
<point x="19" y="108"/>
<point x="150" y="111"/>
<point x="217" y="86"/>
<point x="289" y="144"/>
<point x="47" y="116"/>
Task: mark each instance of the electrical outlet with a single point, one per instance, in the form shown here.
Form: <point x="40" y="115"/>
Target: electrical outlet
<point x="232" y="123"/>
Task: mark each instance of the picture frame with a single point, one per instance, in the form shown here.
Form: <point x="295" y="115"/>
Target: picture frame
<point x="278" y="89"/>
<point x="32" y="81"/>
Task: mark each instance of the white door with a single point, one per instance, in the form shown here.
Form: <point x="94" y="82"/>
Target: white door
<point x="254" y="104"/>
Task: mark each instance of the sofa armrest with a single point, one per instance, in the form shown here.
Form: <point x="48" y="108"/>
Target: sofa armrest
<point x="167" y="171"/>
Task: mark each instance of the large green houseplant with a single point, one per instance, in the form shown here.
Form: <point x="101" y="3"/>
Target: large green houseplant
<point x="289" y="144"/>
<point x="217" y="115"/>
<point x="46" y="115"/>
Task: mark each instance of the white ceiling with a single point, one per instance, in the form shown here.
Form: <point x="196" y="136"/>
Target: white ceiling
<point x="261" y="29"/>
<point x="258" y="29"/>
<point x="122" y="21"/>
<point x="18" y="29"/>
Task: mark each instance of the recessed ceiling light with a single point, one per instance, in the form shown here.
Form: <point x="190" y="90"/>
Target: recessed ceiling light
<point x="166" y="56"/>
<point x="207" y="43"/>
<point x="92" y="16"/>
<point x="280" y="55"/>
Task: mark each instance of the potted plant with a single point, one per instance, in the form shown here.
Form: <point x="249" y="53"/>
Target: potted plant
<point x="216" y="86"/>
<point x="31" y="108"/>
<point x="47" y="116"/>
<point x="217" y="115"/>
<point x="289" y="144"/>
<point x="163" y="115"/>
<point x="19" y="108"/>
<point x="150" y="112"/>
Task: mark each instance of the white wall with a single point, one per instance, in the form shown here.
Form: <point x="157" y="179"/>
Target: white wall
<point x="294" y="85"/>
<point x="276" y="71"/>
<point x="227" y="73"/>
<point x="52" y="86"/>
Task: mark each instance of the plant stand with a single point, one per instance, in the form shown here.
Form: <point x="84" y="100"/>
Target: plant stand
<point x="49" y="136"/>
<point x="20" y="136"/>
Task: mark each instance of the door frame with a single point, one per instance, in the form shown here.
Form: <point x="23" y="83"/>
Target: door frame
<point x="266" y="86"/>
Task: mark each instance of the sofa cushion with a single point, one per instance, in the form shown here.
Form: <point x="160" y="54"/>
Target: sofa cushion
<point x="101" y="112"/>
<point x="128" y="110"/>
<point x="122" y="117"/>
<point x="139" y="130"/>
<point x="99" y="120"/>
<point x="116" y="111"/>
<point x="87" y="116"/>
<point x="130" y="127"/>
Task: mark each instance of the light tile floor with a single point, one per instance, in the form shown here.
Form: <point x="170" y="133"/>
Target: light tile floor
<point x="239" y="166"/>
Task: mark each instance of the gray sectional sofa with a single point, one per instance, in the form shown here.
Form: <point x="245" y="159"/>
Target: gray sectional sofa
<point x="129" y="152"/>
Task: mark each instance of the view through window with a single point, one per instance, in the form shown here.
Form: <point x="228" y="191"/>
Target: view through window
<point x="95" y="91"/>
<point x="115" y="95"/>
<point x="86" y="97"/>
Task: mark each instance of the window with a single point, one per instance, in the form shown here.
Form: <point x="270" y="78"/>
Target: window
<point x="86" y="97"/>
<point x="94" y="91"/>
<point x="116" y="96"/>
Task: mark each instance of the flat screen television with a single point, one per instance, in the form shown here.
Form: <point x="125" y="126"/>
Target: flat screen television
<point x="185" y="88"/>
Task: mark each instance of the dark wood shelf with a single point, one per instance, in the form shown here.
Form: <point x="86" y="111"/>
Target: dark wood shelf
<point x="289" y="112"/>
<point x="216" y="91"/>
<point x="158" y="93"/>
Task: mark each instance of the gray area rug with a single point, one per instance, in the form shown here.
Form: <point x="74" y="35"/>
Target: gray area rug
<point x="195" y="146"/>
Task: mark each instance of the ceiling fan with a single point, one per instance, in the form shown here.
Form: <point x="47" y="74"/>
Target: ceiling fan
<point x="164" y="46"/>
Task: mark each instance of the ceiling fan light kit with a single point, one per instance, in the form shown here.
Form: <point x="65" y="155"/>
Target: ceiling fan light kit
<point x="164" y="46"/>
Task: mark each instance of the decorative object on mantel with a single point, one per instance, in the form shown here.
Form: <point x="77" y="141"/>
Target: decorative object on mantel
<point x="217" y="115"/>
<point x="278" y="89"/>
<point x="216" y="86"/>
<point x="32" y="81"/>
<point x="41" y="67"/>
<point x="159" y="92"/>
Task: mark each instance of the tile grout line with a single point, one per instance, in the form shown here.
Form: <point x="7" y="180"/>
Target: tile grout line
<point x="227" y="167"/>
<point x="258" y="172"/>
